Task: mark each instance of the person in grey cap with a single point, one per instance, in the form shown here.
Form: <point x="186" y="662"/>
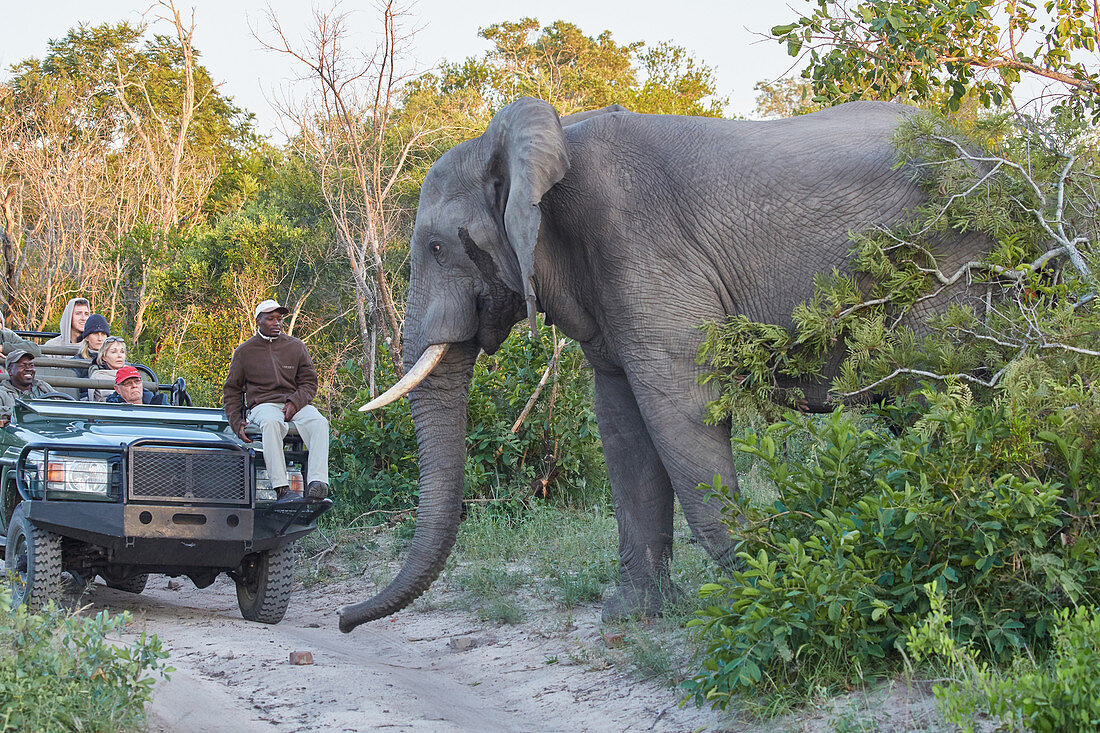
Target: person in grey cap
<point x="272" y="377"/>
<point x="21" y="383"/>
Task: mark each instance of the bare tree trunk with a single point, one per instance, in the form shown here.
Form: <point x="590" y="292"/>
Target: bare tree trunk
<point x="11" y="237"/>
<point x="143" y="304"/>
<point x="346" y="130"/>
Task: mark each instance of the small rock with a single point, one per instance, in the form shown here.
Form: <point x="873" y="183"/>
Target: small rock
<point x="312" y="625"/>
<point x="462" y="643"/>
<point x="174" y="585"/>
<point x="301" y="657"/>
<point x="614" y="640"/>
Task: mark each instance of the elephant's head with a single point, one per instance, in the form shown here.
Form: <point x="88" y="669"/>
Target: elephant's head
<point x="472" y="261"/>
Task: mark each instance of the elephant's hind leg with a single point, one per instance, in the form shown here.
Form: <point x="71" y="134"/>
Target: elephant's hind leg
<point x="643" y="498"/>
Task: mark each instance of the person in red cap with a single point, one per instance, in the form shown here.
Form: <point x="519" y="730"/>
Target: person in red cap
<point x="129" y="389"/>
<point x="271" y="383"/>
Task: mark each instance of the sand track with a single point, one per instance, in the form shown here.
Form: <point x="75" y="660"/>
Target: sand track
<point x="402" y="673"/>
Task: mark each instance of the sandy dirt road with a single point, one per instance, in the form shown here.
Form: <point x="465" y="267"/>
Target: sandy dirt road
<point x="410" y="672"/>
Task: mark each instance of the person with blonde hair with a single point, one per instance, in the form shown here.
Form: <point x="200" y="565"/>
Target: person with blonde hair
<point x="110" y="358"/>
<point x="96" y="330"/>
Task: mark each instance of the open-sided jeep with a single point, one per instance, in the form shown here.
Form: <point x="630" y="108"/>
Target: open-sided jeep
<point x="122" y="491"/>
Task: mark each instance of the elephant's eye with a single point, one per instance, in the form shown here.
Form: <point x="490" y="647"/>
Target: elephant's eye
<point x="437" y="251"/>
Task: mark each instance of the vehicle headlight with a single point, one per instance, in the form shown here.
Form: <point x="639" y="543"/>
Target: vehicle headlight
<point x="266" y="492"/>
<point x="77" y="475"/>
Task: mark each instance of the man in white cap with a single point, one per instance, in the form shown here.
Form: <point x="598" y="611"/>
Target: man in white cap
<point x="271" y="383"/>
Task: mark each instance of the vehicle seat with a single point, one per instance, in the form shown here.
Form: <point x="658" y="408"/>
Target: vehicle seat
<point x="44" y="373"/>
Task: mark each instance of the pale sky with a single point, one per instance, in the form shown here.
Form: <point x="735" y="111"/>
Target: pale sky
<point x="722" y="34"/>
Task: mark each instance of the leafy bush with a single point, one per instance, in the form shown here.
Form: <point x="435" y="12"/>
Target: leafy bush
<point x="58" y="671"/>
<point x="1061" y="694"/>
<point x="996" y="503"/>
<point x="375" y="456"/>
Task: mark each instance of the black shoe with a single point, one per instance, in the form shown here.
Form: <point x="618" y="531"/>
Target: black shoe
<point x="283" y="495"/>
<point x="317" y="490"/>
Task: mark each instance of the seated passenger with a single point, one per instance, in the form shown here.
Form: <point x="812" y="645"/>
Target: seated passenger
<point x="95" y="332"/>
<point x="21" y="383"/>
<point x="273" y="374"/>
<point x="129" y="389"/>
<point x="11" y="340"/>
<point x="73" y="319"/>
<point x="111" y="358"/>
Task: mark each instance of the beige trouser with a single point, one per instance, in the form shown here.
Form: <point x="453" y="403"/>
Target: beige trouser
<point x="312" y="426"/>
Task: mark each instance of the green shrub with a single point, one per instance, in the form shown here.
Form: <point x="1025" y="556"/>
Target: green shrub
<point x="58" y="671"/>
<point x="996" y="504"/>
<point x="374" y="456"/>
<point x="1060" y="694"/>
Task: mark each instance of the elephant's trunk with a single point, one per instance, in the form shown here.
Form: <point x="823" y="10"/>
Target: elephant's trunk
<point x="439" y="412"/>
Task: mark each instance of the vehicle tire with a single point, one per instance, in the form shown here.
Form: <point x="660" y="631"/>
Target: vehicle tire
<point x="263" y="590"/>
<point x="136" y="584"/>
<point x="33" y="562"/>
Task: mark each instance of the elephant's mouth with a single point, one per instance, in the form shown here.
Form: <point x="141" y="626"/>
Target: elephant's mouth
<point x="497" y="313"/>
<point x="499" y="307"/>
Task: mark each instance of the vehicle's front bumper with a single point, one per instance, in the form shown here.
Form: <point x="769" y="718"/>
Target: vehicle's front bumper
<point x="166" y="538"/>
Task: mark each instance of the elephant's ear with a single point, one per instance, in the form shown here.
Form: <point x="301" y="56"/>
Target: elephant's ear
<point x="528" y="157"/>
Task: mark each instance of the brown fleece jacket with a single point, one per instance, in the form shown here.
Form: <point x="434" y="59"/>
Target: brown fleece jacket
<point x="278" y="371"/>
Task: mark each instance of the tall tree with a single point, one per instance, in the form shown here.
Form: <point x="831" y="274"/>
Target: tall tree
<point x="110" y="130"/>
<point x="572" y="71"/>
<point x="346" y="128"/>
<point x="921" y="50"/>
<point x="784" y="98"/>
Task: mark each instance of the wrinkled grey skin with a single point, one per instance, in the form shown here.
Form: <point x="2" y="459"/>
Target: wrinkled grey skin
<point x="645" y="227"/>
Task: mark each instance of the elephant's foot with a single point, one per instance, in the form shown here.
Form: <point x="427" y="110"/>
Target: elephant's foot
<point x="642" y="598"/>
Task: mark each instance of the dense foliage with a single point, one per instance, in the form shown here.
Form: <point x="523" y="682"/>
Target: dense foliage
<point x="981" y="484"/>
<point x="974" y="500"/>
<point x="943" y="52"/>
<point x="996" y="503"/>
<point x="554" y="453"/>
<point x="60" y="672"/>
<point x="1058" y="693"/>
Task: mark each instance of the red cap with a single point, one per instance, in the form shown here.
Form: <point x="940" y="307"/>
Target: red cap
<point x="126" y="372"/>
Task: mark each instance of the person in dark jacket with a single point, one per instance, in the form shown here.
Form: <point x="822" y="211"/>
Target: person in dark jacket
<point x="271" y="383"/>
<point x="96" y="330"/>
<point x="22" y="383"/>
<point x="129" y="389"/>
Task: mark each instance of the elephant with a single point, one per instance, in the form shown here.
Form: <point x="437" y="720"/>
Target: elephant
<point x="628" y="231"/>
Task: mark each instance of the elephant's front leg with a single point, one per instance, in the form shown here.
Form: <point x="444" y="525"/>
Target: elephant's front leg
<point x="643" y="498"/>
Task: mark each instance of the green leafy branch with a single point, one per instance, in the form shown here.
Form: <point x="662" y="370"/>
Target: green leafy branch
<point x="1033" y="198"/>
<point x="946" y="53"/>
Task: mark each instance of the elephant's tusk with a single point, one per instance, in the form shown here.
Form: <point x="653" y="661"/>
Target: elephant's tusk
<point x="421" y="369"/>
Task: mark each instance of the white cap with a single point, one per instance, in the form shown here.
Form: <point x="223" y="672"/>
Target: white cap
<point x="270" y="305"/>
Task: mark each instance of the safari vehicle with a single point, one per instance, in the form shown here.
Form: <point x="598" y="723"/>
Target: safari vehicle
<point x="122" y="491"/>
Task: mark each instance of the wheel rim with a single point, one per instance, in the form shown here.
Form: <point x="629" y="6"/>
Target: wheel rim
<point x="251" y="579"/>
